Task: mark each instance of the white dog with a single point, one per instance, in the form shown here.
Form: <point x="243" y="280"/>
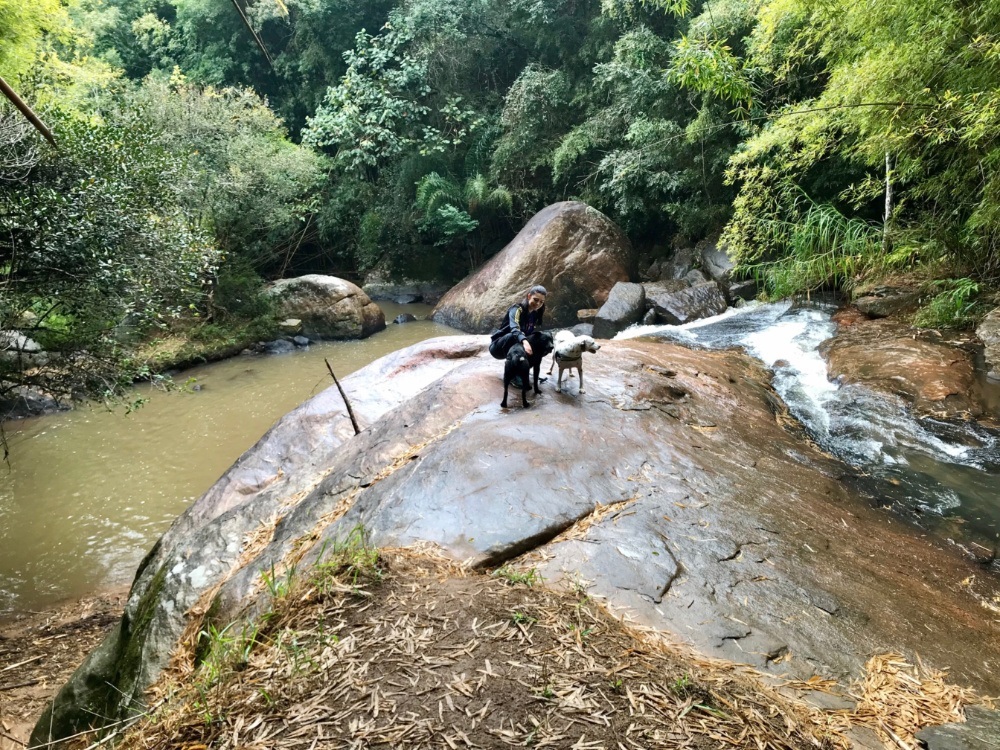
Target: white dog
<point x="568" y="354"/>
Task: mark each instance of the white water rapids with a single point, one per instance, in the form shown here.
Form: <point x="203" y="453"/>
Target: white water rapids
<point x="921" y="467"/>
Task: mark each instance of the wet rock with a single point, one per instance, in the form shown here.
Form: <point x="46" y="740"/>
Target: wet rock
<point x="625" y="306"/>
<point x="278" y="346"/>
<point x="290" y="326"/>
<point x="934" y="377"/>
<point x="404" y="292"/>
<point x="695" y="276"/>
<point x="573" y="250"/>
<point x="989" y="333"/>
<point x="649" y="318"/>
<point x="404" y="318"/>
<point x="981" y="731"/>
<point x="746" y="289"/>
<point x="686" y="305"/>
<point x="884" y="302"/>
<point x="687" y="503"/>
<point x="329" y="308"/>
<point x="681" y="262"/>
<point x="586" y="316"/>
<point x="583" y="329"/>
<point x="300" y="341"/>
<point x="715" y="260"/>
<point x="28" y="402"/>
<point x="654" y="271"/>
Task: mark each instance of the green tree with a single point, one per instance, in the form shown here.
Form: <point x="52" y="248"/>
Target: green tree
<point x="95" y="248"/>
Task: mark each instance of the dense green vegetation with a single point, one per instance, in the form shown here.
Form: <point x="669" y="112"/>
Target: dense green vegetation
<point x="206" y="145"/>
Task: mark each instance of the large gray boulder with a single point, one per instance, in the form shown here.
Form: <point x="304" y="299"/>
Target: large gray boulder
<point x="625" y="306"/>
<point x="715" y="260"/>
<point x="988" y="332"/>
<point x="329" y="308"/>
<point x="670" y="488"/>
<point x="687" y="304"/>
<point x="573" y="250"/>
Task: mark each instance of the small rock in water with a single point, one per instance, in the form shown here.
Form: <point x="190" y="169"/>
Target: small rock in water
<point x="279" y="346"/>
<point x="300" y="341"/>
<point x="649" y="318"/>
<point x="404" y="318"/>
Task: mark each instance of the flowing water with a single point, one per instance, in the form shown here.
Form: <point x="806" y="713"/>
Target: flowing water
<point x="944" y="476"/>
<point x="87" y="492"/>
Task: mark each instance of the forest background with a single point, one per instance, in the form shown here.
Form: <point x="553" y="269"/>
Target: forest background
<point x="206" y="146"/>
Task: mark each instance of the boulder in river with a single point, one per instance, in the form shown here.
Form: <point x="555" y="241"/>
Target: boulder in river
<point x="329" y="308"/>
<point x="573" y="250"/>
<point x="988" y="332"/>
<point x="687" y="304"/>
<point x="404" y="318"/>
<point x="936" y="378"/>
<point x="673" y="488"/>
<point x="404" y="291"/>
<point x="625" y="306"/>
<point x="884" y="302"/>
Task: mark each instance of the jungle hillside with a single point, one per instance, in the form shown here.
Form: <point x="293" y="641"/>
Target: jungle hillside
<point x="201" y="148"/>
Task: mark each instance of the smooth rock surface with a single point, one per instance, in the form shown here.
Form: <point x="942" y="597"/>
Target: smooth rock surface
<point x="573" y="250"/>
<point x="988" y="332"/>
<point x="706" y="517"/>
<point x="686" y="305"/>
<point x="625" y="306"/>
<point x="934" y="377"/>
<point x="290" y="326"/>
<point x="981" y="731"/>
<point x="329" y="308"/>
<point x="886" y="301"/>
<point x="715" y="260"/>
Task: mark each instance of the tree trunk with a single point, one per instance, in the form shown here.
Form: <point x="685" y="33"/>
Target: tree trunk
<point x="888" y="203"/>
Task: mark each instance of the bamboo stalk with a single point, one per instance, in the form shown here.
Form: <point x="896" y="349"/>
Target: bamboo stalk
<point x="253" y="33"/>
<point x="26" y="111"/>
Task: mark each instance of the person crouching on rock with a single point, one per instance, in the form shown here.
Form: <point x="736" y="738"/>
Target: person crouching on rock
<point x="519" y="322"/>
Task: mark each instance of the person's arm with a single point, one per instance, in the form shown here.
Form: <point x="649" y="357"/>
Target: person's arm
<point x="514" y="321"/>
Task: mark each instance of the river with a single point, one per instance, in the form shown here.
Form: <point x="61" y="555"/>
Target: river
<point x="87" y="492"/>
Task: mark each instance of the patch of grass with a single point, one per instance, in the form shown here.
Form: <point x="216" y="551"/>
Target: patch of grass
<point x="682" y="685"/>
<point x="225" y="650"/>
<point x="520" y="618"/>
<point x="516" y="577"/>
<point x="352" y="559"/>
<point x="278" y="586"/>
<point x="954" y="305"/>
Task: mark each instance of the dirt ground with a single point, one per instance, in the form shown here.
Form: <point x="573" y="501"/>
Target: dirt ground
<point x="424" y="654"/>
<point x="38" y="653"/>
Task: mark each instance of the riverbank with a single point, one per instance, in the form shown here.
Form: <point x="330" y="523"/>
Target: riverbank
<point x="40" y="649"/>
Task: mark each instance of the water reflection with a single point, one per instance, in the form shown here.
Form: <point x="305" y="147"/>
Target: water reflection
<point x="87" y="492"/>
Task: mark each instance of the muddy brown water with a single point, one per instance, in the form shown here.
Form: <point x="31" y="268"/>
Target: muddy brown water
<point x="88" y="492"/>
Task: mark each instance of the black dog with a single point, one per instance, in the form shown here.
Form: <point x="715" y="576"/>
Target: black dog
<point x="519" y="364"/>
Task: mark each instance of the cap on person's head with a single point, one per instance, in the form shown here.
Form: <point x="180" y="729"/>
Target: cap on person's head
<point x="538" y="289"/>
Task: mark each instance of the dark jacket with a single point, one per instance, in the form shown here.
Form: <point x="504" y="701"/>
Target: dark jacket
<point x="520" y="322"/>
